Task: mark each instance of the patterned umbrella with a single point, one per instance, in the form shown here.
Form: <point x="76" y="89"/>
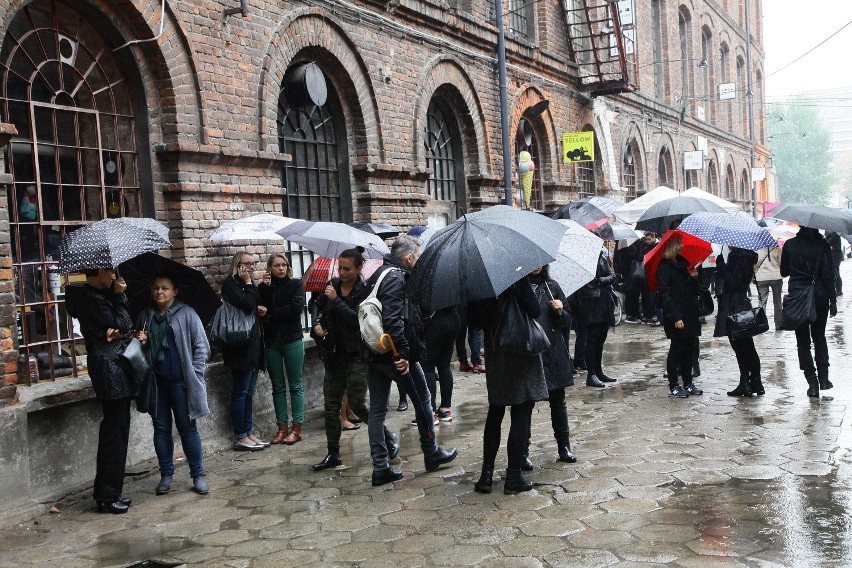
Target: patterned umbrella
<point x="577" y="258"/>
<point x="106" y="244"/>
<point x="329" y="239"/>
<point x="727" y="229"/>
<point x="254" y="228"/>
<point x="324" y="269"/>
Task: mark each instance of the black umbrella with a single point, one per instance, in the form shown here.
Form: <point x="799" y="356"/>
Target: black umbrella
<point x="482" y="254"/>
<point x="108" y="243"/>
<point x="815" y="217"/>
<point x="193" y="288"/>
<point x="615" y="231"/>
<point x="589" y="212"/>
<point x="382" y="230"/>
<point x="659" y="217"/>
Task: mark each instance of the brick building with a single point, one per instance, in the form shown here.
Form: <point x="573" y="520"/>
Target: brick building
<point x="205" y="117"/>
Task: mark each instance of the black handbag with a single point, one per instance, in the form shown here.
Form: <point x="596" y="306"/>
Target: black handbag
<point x="799" y="308"/>
<point x="231" y="327"/>
<point x="518" y="332"/>
<point x="146" y="398"/>
<point x="747" y="323"/>
<point x="705" y="303"/>
<point x="132" y="360"/>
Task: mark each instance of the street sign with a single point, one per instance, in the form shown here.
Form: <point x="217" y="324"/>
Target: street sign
<point x="758" y="174"/>
<point x="727" y="91"/>
<point x="693" y="160"/>
<point x="578" y="147"/>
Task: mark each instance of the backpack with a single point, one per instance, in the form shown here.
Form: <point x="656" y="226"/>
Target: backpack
<point x="370" y="318"/>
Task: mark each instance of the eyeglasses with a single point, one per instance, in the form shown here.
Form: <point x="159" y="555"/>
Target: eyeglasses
<point x="253" y="263"/>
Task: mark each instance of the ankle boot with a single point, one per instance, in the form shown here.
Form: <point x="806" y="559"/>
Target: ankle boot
<point x="743" y="389"/>
<point x="756" y="386"/>
<point x="515" y="483"/>
<point x="813" y="386"/>
<point x="283" y="430"/>
<point x="565" y="453"/>
<point x="486" y="480"/>
<point x="822" y="377"/>
<point x="294" y="436"/>
<point x="332" y="459"/>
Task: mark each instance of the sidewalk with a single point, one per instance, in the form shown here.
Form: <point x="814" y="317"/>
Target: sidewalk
<point x="709" y="480"/>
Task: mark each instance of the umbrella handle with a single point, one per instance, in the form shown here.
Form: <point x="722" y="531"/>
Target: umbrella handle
<point x="385" y="338"/>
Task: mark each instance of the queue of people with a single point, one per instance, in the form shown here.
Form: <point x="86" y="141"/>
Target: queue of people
<point x="177" y="349"/>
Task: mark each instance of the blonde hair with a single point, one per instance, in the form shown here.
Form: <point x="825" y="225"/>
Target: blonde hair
<point x="235" y="261"/>
<point x="272" y="258"/>
<point x="673" y="247"/>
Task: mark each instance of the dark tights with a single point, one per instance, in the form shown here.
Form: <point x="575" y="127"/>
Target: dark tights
<point x="519" y="433"/>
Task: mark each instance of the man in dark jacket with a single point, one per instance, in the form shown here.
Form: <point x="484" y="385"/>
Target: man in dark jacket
<point x="635" y="283"/>
<point x="806" y="258"/>
<point x="400" y="320"/>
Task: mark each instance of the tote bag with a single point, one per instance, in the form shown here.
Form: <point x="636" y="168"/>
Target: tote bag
<point x="232" y="327"/>
<point x="518" y="332"/>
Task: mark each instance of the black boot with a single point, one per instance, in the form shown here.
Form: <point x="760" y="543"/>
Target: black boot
<point x="526" y="464"/>
<point x="594" y="381"/>
<point x="439" y="457"/>
<point x="392" y="444"/>
<point x="515" y="483"/>
<point x="813" y="386"/>
<point x="756" y="386"/>
<point x="331" y="460"/>
<point x="486" y="480"/>
<point x="743" y="389"/>
<point x="822" y="376"/>
<point x="565" y="453"/>
<point x="386" y="475"/>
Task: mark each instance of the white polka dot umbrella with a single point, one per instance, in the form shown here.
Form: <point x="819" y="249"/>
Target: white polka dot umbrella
<point x="108" y="243"/>
<point x="727" y="229"/>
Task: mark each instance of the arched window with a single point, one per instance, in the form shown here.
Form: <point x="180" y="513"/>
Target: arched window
<point x="725" y="77"/>
<point x="444" y="158"/>
<point x="745" y="187"/>
<point x="587" y="173"/>
<point x="759" y="109"/>
<point x="525" y="131"/>
<point x="631" y="171"/>
<point x="75" y="159"/>
<point x="730" y="183"/>
<point x="707" y="74"/>
<point x="665" y="168"/>
<point x="658" y="54"/>
<point x="712" y="177"/>
<point x="691" y="178"/>
<point x="685" y="36"/>
<point x="741" y="99"/>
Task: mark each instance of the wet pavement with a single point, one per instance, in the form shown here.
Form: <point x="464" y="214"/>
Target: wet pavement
<point x="705" y="481"/>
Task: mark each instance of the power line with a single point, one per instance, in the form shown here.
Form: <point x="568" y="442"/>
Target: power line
<point x="811" y="49"/>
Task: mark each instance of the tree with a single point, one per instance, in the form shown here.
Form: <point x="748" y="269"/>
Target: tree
<point x="843" y="174"/>
<point x="800" y="144"/>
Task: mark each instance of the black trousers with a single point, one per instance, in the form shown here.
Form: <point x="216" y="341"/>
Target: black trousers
<point x="594" y="347"/>
<point x="440" y="341"/>
<point x="519" y="433"/>
<point x="747" y="358"/>
<point x="112" y="450"/>
<point x="632" y="304"/>
<point x="815" y="331"/>
<point x="581" y="327"/>
<point x="680" y="359"/>
<point x="559" y="415"/>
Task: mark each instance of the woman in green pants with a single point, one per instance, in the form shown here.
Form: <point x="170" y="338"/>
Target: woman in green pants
<point x="284" y="298"/>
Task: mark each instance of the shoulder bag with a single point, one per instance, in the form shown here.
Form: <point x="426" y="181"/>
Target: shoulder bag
<point x="747" y="323"/>
<point x="705" y="303"/>
<point x="517" y="332"/>
<point x="232" y="327"/>
<point x="799" y="308"/>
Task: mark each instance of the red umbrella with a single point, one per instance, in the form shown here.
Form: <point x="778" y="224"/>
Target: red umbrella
<point x="694" y="250"/>
<point x="324" y="269"/>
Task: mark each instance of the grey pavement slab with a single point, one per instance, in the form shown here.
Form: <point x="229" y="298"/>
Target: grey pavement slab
<point x="709" y="480"/>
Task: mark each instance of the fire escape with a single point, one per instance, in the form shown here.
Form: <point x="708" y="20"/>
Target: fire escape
<point x="602" y="37"/>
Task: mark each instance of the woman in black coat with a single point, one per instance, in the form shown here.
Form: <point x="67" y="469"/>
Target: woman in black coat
<point x="244" y="361"/>
<point x="597" y="304"/>
<point x="678" y="294"/>
<point x="101" y="307"/>
<point x="556" y="320"/>
<point x="737" y="273"/>
<point x="512" y="380"/>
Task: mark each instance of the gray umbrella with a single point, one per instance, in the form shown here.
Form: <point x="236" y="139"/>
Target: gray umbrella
<point x="615" y="231"/>
<point x="815" y="217"/>
<point x="329" y="239"/>
<point x="482" y="254"/>
<point x="659" y="217"/>
<point x="383" y="230"/>
<point x="108" y="243"/>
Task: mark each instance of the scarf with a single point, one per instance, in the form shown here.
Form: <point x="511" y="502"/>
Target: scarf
<point x="158" y="336"/>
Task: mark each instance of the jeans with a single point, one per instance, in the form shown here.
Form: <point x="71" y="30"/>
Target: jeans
<point x="241" y="402"/>
<point x="440" y="339"/>
<point x="763" y="288"/>
<point x="594" y="347"/>
<point x="519" y="433"/>
<point x="379" y="379"/>
<point x="680" y="358"/>
<point x="284" y="355"/>
<point x="113" y="435"/>
<point x="343" y="375"/>
<point x="171" y="400"/>
<point x="747" y="358"/>
<point x="815" y="331"/>
<point x="474" y="340"/>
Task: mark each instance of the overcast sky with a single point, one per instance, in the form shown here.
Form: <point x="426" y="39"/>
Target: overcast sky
<point x="792" y="27"/>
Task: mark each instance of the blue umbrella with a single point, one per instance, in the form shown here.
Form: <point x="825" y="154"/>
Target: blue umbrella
<point x="726" y="229"/>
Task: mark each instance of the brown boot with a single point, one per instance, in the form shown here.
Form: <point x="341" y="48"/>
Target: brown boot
<point x="283" y="430"/>
<point x="294" y="436"/>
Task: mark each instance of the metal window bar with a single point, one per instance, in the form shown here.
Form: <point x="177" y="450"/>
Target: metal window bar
<point x="629" y="176"/>
<point x="440" y="158"/>
<point x="586" y="176"/>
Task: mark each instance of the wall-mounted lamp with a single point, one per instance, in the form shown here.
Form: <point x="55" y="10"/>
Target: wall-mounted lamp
<point x="703" y="63"/>
<point x="242" y="10"/>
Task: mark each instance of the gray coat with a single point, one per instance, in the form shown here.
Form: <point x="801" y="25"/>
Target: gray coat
<point x="193" y="349"/>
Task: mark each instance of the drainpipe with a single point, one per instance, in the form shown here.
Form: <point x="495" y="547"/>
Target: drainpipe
<point x="749" y="102"/>
<point x="504" y="102"/>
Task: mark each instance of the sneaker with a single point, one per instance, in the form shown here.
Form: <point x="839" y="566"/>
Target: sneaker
<point x="677" y="391"/>
<point x="693" y="390"/>
<point x="479" y="368"/>
<point x="434" y="416"/>
<point x="632" y="320"/>
<point x="465" y="367"/>
<point x="444" y="414"/>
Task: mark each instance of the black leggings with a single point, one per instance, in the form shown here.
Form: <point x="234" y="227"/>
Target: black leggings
<point x="594" y="347"/>
<point x="519" y="433"/>
<point x="680" y="358"/>
<point x="747" y="358"/>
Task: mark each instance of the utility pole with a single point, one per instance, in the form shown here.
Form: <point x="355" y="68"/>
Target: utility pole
<point x="749" y="102"/>
<point x="504" y="101"/>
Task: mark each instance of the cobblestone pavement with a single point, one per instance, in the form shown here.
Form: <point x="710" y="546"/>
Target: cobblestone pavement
<point x="708" y="480"/>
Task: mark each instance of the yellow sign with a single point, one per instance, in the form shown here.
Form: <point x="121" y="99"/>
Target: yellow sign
<point x="578" y="147"/>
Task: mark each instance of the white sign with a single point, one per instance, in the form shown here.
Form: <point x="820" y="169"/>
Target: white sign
<point x="727" y="91"/>
<point x="758" y="174"/>
<point x="625" y="12"/>
<point x="699" y="113"/>
<point x="629" y="37"/>
<point x="693" y="160"/>
<point x="702" y="144"/>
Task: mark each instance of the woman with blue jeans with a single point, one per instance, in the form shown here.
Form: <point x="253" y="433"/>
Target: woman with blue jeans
<point x="284" y="299"/>
<point x="177" y="349"/>
<point x="244" y="361"/>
